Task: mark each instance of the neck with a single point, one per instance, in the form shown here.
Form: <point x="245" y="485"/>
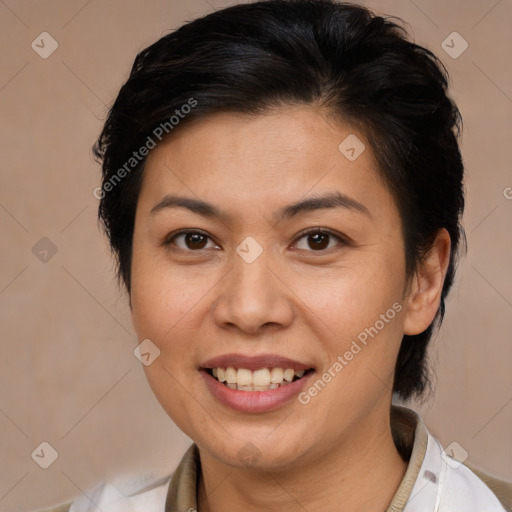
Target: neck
<point x="361" y="473"/>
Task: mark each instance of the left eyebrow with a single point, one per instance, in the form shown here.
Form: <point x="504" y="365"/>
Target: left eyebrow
<point x="333" y="200"/>
<point x="200" y="207"/>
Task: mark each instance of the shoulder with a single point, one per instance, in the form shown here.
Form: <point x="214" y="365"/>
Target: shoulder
<point x="143" y="491"/>
<point x="500" y="488"/>
<point x="446" y="482"/>
<point x="461" y="487"/>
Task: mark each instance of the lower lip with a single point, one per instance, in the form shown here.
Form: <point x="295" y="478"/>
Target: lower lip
<point x="254" y="401"/>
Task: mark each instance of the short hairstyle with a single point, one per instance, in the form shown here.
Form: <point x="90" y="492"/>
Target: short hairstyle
<point x="356" y="66"/>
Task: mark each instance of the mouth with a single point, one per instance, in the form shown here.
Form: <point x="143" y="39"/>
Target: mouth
<point x="261" y="379"/>
<point x="255" y="384"/>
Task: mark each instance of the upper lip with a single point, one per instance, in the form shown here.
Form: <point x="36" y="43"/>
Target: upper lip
<point x="254" y="362"/>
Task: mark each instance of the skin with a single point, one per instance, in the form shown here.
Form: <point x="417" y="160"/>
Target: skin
<point x="336" y="452"/>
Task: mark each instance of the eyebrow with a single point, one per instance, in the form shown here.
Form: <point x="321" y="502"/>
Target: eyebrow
<point x="332" y="200"/>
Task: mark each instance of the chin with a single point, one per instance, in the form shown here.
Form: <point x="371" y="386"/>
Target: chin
<point x="252" y="452"/>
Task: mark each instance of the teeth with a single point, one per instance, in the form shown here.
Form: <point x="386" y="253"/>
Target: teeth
<point x="263" y="379"/>
<point x="276" y="375"/>
<point x="231" y="375"/>
<point x="288" y="374"/>
<point x="244" y="377"/>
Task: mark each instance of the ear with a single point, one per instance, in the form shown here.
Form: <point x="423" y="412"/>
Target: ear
<point x="427" y="283"/>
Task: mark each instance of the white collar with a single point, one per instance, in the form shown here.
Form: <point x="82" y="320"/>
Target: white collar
<point x="445" y="484"/>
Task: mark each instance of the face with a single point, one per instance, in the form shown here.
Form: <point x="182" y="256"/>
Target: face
<point x="239" y="284"/>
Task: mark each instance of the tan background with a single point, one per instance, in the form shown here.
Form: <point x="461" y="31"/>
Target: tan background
<point x="67" y="371"/>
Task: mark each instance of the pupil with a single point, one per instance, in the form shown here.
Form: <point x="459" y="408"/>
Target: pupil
<point x="317" y="240"/>
<point x="195" y="239"/>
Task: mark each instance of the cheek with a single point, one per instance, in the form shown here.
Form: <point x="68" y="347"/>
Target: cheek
<point x="156" y="293"/>
<point x="364" y="316"/>
<point x="163" y="311"/>
<point x="363" y="313"/>
<point x="160" y="307"/>
<point x="169" y="304"/>
<point x="354" y="300"/>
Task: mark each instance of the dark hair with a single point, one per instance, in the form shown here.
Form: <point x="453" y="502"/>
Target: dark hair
<point x="341" y="57"/>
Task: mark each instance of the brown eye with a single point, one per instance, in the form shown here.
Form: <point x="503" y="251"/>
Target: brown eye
<point x="192" y="240"/>
<point x="195" y="240"/>
<point x="318" y="240"/>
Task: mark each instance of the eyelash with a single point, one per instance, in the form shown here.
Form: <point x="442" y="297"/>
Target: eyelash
<point x="344" y="241"/>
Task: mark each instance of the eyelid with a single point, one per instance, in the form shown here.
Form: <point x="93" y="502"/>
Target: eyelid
<point x="326" y="231"/>
<point x="169" y="238"/>
<point x="342" y="238"/>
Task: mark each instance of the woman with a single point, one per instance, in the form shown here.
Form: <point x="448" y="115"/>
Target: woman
<point x="283" y="187"/>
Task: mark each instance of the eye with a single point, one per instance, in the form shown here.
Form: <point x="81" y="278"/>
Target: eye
<point x="193" y="240"/>
<point x="318" y="239"/>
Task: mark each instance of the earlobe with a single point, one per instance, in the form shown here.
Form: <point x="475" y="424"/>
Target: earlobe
<point x="427" y="285"/>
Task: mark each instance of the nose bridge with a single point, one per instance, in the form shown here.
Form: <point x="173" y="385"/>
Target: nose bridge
<point x="251" y="264"/>
<point x="251" y="295"/>
<point x="252" y="280"/>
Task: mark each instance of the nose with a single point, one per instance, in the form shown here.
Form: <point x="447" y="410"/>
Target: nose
<point x="253" y="297"/>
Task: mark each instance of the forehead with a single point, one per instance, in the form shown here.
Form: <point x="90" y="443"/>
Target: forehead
<point x="238" y="160"/>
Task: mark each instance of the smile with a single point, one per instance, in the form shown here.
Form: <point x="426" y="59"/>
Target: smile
<point x="263" y="379"/>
